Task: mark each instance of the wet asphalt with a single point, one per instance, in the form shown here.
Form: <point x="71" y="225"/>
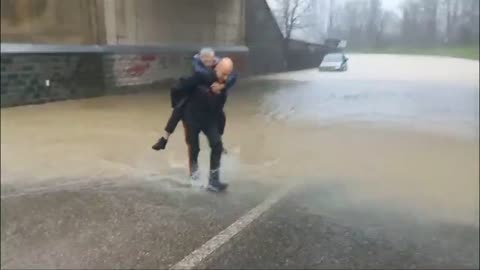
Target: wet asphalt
<point x="144" y="225"/>
<point x="307" y="231"/>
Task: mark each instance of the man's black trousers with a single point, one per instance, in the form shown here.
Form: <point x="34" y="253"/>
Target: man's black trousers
<point x="216" y="146"/>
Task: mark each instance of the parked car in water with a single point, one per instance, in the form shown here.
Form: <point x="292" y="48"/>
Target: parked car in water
<point x="334" y="62"/>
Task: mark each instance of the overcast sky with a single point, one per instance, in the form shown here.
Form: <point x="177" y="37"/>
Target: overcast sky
<point x="387" y="4"/>
<point x="392" y="4"/>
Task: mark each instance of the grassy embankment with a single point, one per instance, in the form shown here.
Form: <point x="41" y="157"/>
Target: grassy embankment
<point x="467" y="52"/>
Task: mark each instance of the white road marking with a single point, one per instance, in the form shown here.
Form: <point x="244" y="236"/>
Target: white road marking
<point x="197" y="256"/>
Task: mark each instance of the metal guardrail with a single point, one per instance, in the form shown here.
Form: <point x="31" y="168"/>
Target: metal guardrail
<point x="24" y="48"/>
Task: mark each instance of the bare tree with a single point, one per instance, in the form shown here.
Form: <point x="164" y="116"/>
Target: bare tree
<point x="292" y="14"/>
<point x="430" y="9"/>
<point x="419" y="21"/>
<point x="389" y="28"/>
<point x="451" y="7"/>
<point x="356" y="18"/>
<point x="426" y="22"/>
<point x="331" y="13"/>
<point x="374" y="26"/>
<point x="373" y="17"/>
<point x="469" y="23"/>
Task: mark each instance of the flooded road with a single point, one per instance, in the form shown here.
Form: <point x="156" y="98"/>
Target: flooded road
<point x="394" y="134"/>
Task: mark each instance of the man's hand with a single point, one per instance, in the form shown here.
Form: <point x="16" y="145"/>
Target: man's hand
<point x="217" y="87"/>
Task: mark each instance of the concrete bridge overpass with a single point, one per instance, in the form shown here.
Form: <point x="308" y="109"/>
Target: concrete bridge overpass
<point x="124" y="22"/>
<point x="55" y="50"/>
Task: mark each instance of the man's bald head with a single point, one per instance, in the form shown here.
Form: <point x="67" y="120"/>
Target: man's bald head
<point x="223" y="69"/>
<point x="225" y="64"/>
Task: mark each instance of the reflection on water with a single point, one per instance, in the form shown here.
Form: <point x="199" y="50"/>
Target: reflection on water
<point x="275" y="130"/>
<point x="429" y="105"/>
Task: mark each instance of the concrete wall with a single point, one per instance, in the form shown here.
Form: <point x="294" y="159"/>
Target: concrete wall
<point x="49" y="21"/>
<point x="303" y="55"/>
<point x="265" y="42"/>
<point x="263" y="38"/>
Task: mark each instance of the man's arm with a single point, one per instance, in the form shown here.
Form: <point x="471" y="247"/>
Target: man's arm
<point x="200" y="68"/>
<point x="218" y="88"/>
<point x="232" y="79"/>
<point x="221" y="95"/>
<point x="197" y="64"/>
<point x="190" y="83"/>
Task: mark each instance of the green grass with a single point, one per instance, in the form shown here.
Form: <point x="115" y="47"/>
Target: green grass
<point x="468" y="52"/>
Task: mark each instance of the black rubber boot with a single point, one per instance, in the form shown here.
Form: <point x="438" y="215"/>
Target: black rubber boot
<point x="214" y="183"/>
<point x="218" y="187"/>
<point x="161" y="144"/>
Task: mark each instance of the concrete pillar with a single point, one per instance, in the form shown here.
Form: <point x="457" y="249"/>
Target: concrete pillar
<point x="229" y="22"/>
<point x="242" y="26"/>
<point x="109" y="8"/>
<point x="120" y="21"/>
<point x="98" y="17"/>
<point x="131" y="21"/>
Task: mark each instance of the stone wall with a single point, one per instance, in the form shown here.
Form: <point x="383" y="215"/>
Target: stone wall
<point x="30" y="78"/>
<point x="38" y="74"/>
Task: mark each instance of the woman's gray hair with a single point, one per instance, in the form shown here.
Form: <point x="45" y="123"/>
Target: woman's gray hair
<point x="206" y="52"/>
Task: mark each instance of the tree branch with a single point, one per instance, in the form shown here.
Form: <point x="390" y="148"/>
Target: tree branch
<point x="291" y="14"/>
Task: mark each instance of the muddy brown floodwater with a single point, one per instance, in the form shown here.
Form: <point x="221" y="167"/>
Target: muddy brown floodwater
<point x="389" y="135"/>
